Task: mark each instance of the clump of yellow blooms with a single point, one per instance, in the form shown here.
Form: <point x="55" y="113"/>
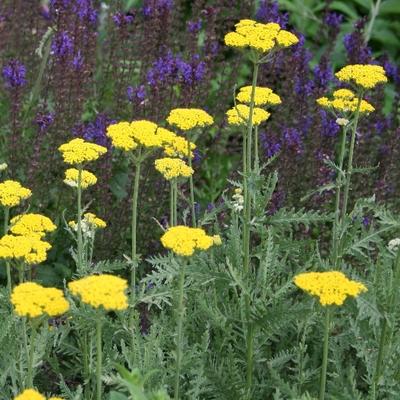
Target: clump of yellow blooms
<point x="12" y="193"/>
<point x="189" y="118"/>
<point x="87" y="178"/>
<point x="178" y="147"/>
<point x="121" y="136"/>
<point x="90" y="221"/>
<point x="332" y="287"/>
<point x="78" y="151"/>
<point x="239" y="115"/>
<point x="172" y="168"/>
<point x="366" y="76"/>
<point x="31" y="394"/>
<point x="184" y="240"/>
<point x="260" y="37"/>
<point x="33" y="300"/>
<point x="31" y="224"/>
<point x="30" y="249"/>
<point x="344" y="100"/>
<point x="105" y="290"/>
<point x="262" y="96"/>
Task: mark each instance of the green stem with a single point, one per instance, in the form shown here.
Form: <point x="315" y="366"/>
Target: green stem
<point x="256" y="150"/>
<point x="325" y="354"/>
<point x="79" y="216"/>
<point x="86" y="371"/>
<point x="31" y="355"/>
<point x="99" y="358"/>
<point x="374" y="13"/>
<point x="179" y="338"/>
<point x="175" y="184"/>
<point x="192" y="202"/>
<point x="5" y="230"/>
<point x="171" y="204"/>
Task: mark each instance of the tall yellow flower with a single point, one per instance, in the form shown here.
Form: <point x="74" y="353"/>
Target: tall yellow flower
<point x="189" y="118"/>
<point x="31" y="224"/>
<point x="78" y="151"/>
<point x="362" y="75"/>
<point x="12" y="193"/>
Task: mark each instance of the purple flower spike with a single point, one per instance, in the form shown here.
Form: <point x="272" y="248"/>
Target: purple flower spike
<point x="62" y="45"/>
<point x="14" y="74"/>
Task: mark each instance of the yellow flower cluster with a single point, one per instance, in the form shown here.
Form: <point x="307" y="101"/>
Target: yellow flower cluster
<point x="12" y="193"/>
<point x="78" y="151"/>
<point x="260" y="37"/>
<point x="189" y="118"/>
<point x="345" y="101"/>
<point x="30" y="249"/>
<point x="91" y="221"/>
<point x="184" y="240"/>
<point x="174" y="145"/>
<point x="332" y="287"/>
<point x="33" y="300"/>
<point x="121" y="136"/>
<point x="239" y="115"/>
<point x="31" y="394"/>
<point x="262" y="96"/>
<point x="87" y="178"/>
<point x="105" y="290"/>
<point x="365" y="75"/>
<point x="172" y="168"/>
<point x="31" y="224"/>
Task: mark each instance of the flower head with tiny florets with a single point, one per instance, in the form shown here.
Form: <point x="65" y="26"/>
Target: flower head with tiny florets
<point x="239" y="115"/>
<point x="262" y="96"/>
<point x="172" y="168"/>
<point x="72" y="176"/>
<point x="365" y="76"/>
<point x="12" y="193"/>
<point x="189" y="118"/>
<point x="31" y="224"/>
<point x="78" y="151"/>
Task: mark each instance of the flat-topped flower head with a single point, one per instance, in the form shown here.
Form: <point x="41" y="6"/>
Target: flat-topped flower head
<point x="90" y="222"/>
<point x="121" y="136"/>
<point x="107" y="291"/>
<point x="31" y="224"/>
<point x="366" y="76"/>
<point x="33" y="300"/>
<point x="345" y="101"/>
<point x="189" y="118"/>
<point x="239" y="115"/>
<point x="260" y="37"/>
<point x="30" y="394"/>
<point x="12" y="193"/>
<point x="184" y="240"/>
<point x="72" y="175"/>
<point x="332" y="287"/>
<point x="262" y="96"/>
<point x="172" y="168"/>
<point x="78" y="151"/>
<point x="28" y="248"/>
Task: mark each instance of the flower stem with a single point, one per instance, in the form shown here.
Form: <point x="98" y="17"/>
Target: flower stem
<point x="5" y="230"/>
<point x="180" y="317"/>
<point x="99" y="358"/>
<point x="171" y="204"/>
<point x="191" y="185"/>
<point x="256" y="150"/>
<point x="79" y="216"/>
<point x="325" y="354"/>
<point x="31" y="355"/>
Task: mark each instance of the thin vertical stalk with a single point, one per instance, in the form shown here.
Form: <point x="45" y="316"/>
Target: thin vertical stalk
<point x="256" y="150"/>
<point x="99" y="358"/>
<point x="325" y="354"/>
<point x="31" y="355"/>
<point x="86" y="371"/>
<point x="79" y="216"/>
<point x="191" y="185"/>
<point x="171" y="203"/>
<point x="175" y="184"/>
<point x="179" y="338"/>
<point x="5" y="230"/>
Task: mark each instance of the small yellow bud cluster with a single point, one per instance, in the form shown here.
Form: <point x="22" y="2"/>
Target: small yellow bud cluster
<point x="172" y="168"/>
<point x="72" y="177"/>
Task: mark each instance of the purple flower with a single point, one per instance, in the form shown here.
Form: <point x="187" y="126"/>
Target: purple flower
<point x="44" y="120"/>
<point x="154" y="7"/>
<point x="94" y="131"/>
<point x="14" y="74"/>
<point x="357" y="51"/>
<point x="121" y="19"/>
<point x="329" y="127"/>
<point x="392" y="70"/>
<point x="268" y="11"/>
<point x="62" y="44"/>
<point x="333" y="19"/>
<point x="85" y="11"/>
<point x="323" y="74"/>
<point x="138" y="93"/>
<point x="77" y="61"/>
<point x="270" y="144"/>
<point x="293" y="140"/>
<point x="194" y="26"/>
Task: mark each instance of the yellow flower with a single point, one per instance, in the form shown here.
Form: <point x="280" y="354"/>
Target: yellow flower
<point x="184" y="240"/>
<point x="189" y="118"/>
<point x="344" y="100"/>
<point x="363" y="75"/>
<point x="87" y="178"/>
<point x="30" y="249"/>
<point x="78" y="151"/>
<point x="173" y="168"/>
<point x="30" y="394"/>
<point x="239" y="115"/>
<point x="12" y="193"/>
<point x="217" y="240"/>
<point x="28" y="224"/>
<point x="331" y="287"/>
<point x="33" y="300"/>
<point x="89" y="222"/>
<point x="121" y="136"/>
<point x="262" y="96"/>
<point x="260" y="37"/>
<point x="106" y="291"/>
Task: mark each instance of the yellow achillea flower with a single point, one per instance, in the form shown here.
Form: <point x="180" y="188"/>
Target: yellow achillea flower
<point x="12" y="193"/>
<point x="217" y="240"/>
<point x="33" y="300"/>
<point x="105" y="290"/>
<point x="87" y="178"/>
<point x="78" y="151"/>
<point x="30" y="248"/>
<point x="30" y="394"/>
<point x="344" y="100"/>
<point x="174" y="145"/>
<point x="121" y="136"/>
<point x="260" y="37"/>
<point x="173" y="168"/>
<point x="189" y="118"/>
<point x="184" y="240"/>
<point x="31" y="224"/>
<point x="364" y="75"/>
<point x="332" y="287"/>
<point x="239" y="115"/>
<point x="90" y="221"/>
<point x="262" y="96"/>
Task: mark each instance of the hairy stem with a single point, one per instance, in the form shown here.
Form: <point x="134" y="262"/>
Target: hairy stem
<point x="79" y="216"/>
<point x="5" y="230"/>
<point x="99" y="358"/>
<point x="325" y="354"/>
<point x="191" y="185"/>
<point x="31" y="355"/>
